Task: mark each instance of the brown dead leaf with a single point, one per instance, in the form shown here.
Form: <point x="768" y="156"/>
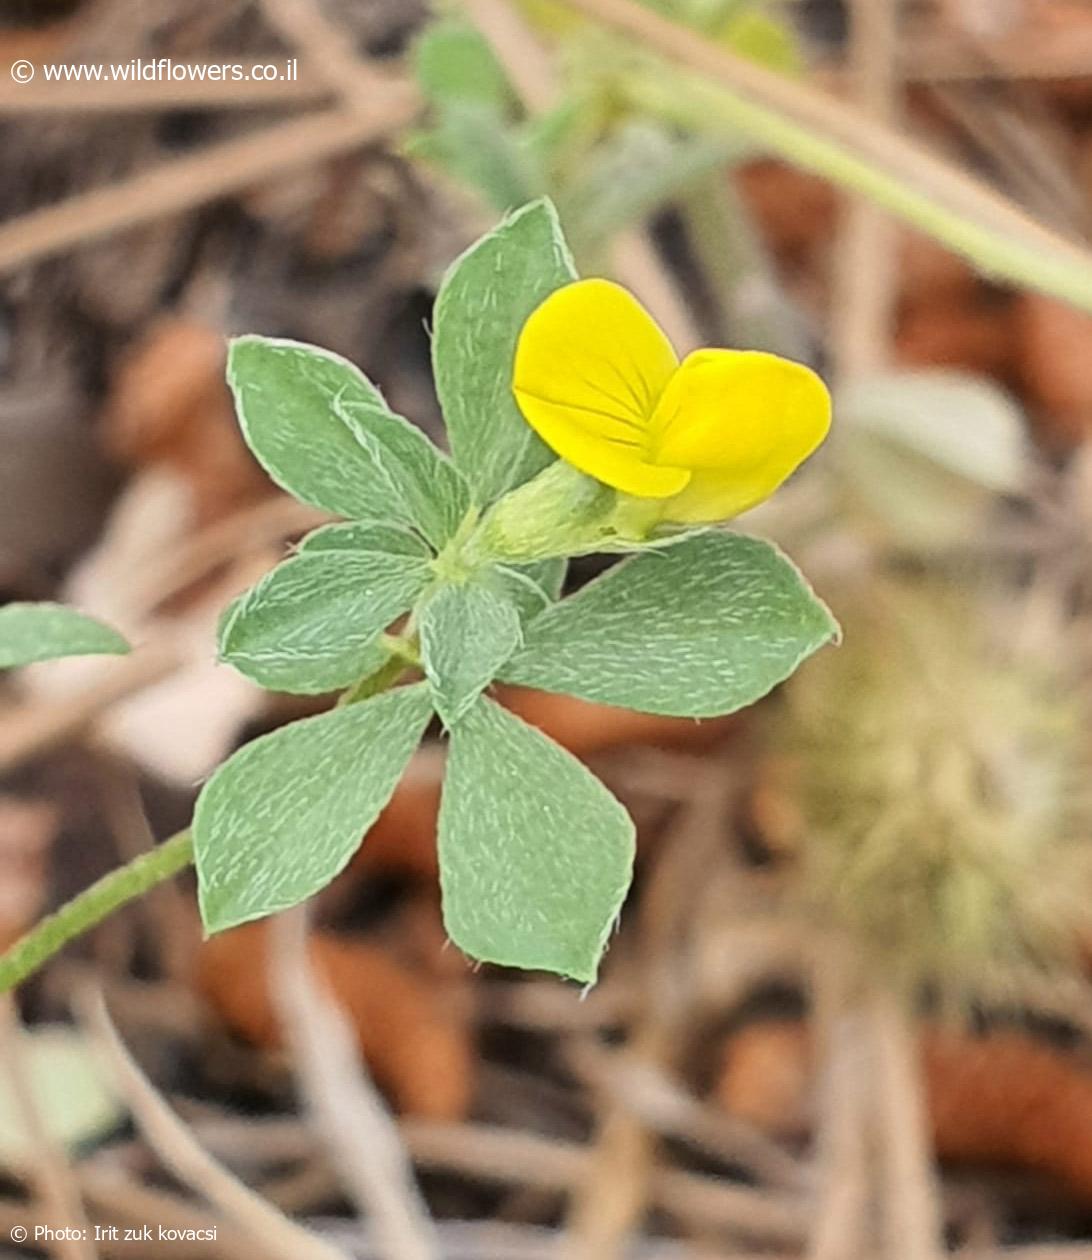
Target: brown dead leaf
<point x="795" y="211"/>
<point x="1005" y="1098"/>
<point x="27" y="832"/>
<point x="976" y="338"/>
<point x="1055" y="368"/>
<point x="410" y="1032"/>
<point x="169" y="406"/>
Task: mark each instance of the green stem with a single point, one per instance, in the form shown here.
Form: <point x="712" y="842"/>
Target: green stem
<point x="384" y="678"/>
<point x="985" y="228"/>
<point x="89" y="908"/>
<point x="92" y="906"/>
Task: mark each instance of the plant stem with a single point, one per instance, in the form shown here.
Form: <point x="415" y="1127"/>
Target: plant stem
<point x="384" y="678"/>
<point x="813" y="131"/>
<point x="92" y="906"/>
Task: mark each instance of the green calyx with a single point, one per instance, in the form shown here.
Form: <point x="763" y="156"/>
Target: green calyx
<point x="564" y="512"/>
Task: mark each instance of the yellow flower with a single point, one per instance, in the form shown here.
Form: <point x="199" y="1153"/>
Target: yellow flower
<point x="710" y="437"/>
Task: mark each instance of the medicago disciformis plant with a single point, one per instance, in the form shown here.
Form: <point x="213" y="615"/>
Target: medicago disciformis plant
<point x="573" y="428"/>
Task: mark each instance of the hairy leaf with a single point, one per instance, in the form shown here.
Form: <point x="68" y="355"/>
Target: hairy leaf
<point x="285" y="814"/>
<point x="365" y="536"/>
<point x="467" y="633"/>
<point x="313" y="623"/>
<point x="707" y="626"/>
<point x="536" y="855"/>
<point x="482" y="306"/>
<point x="44" y="632"/>
<point x="323" y="432"/>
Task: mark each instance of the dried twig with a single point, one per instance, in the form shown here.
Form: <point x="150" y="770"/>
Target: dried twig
<point x="118" y="1198"/>
<point x="608" y="1205"/>
<point x="213" y="172"/>
<point x="183" y="1155"/>
<point x="525" y="59"/>
<point x="840" y="1225"/>
<point x="524" y="1159"/>
<point x="865" y="280"/>
<point x="30" y="728"/>
<point x="666" y="1107"/>
<point x="506" y="1157"/>
<point x="912" y="1218"/>
<point x="326" y="48"/>
<point x="1034" y="52"/>
<point x="352" y="1117"/>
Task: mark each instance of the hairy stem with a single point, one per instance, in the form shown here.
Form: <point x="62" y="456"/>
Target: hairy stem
<point x="92" y="906"/>
<point x="89" y="908"/>
<point x="813" y="131"/>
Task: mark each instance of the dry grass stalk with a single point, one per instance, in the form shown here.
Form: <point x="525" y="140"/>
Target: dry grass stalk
<point x="180" y="1151"/>
<point x="352" y="1117"/>
<point x="865" y="281"/>
<point x="215" y="171"/>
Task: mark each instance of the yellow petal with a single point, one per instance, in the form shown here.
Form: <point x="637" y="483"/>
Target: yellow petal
<point x="590" y="368"/>
<point x="716" y="496"/>
<point x="743" y="421"/>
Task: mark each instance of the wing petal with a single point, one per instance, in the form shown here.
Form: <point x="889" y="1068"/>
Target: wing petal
<point x="743" y="420"/>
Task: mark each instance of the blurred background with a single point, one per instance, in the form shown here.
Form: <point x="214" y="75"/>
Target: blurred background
<point x="848" y="1010"/>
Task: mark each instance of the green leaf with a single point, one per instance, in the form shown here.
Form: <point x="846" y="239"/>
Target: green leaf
<point x="455" y="63"/>
<point x="477" y="145"/>
<point x="637" y="171"/>
<point x="961" y="422"/>
<point x="536" y="855"/>
<point x="703" y="628"/>
<point x="313" y="624"/>
<point x="467" y="633"/>
<point x="365" y="536"/>
<point x="285" y="814"/>
<point x="548" y="574"/>
<point x="520" y="589"/>
<point x="483" y="303"/>
<point x="69" y="1092"/>
<point x="531" y="587"/>
<point x="323" y="432"/>
<point x="44" y="632"/>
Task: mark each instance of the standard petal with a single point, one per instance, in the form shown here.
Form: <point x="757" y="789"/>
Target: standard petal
<point x="743" y="421"/>
<point x="590" y="368"/>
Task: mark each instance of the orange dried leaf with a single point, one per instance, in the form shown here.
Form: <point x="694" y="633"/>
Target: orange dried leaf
<point x="1055" y="368"/>
<point x="947" y="334"/>
<point x="418" y="1050"/>
<point x="1004" y="1098"/>
<point x="169" y="405"/>
<point x="585" y="728"/>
